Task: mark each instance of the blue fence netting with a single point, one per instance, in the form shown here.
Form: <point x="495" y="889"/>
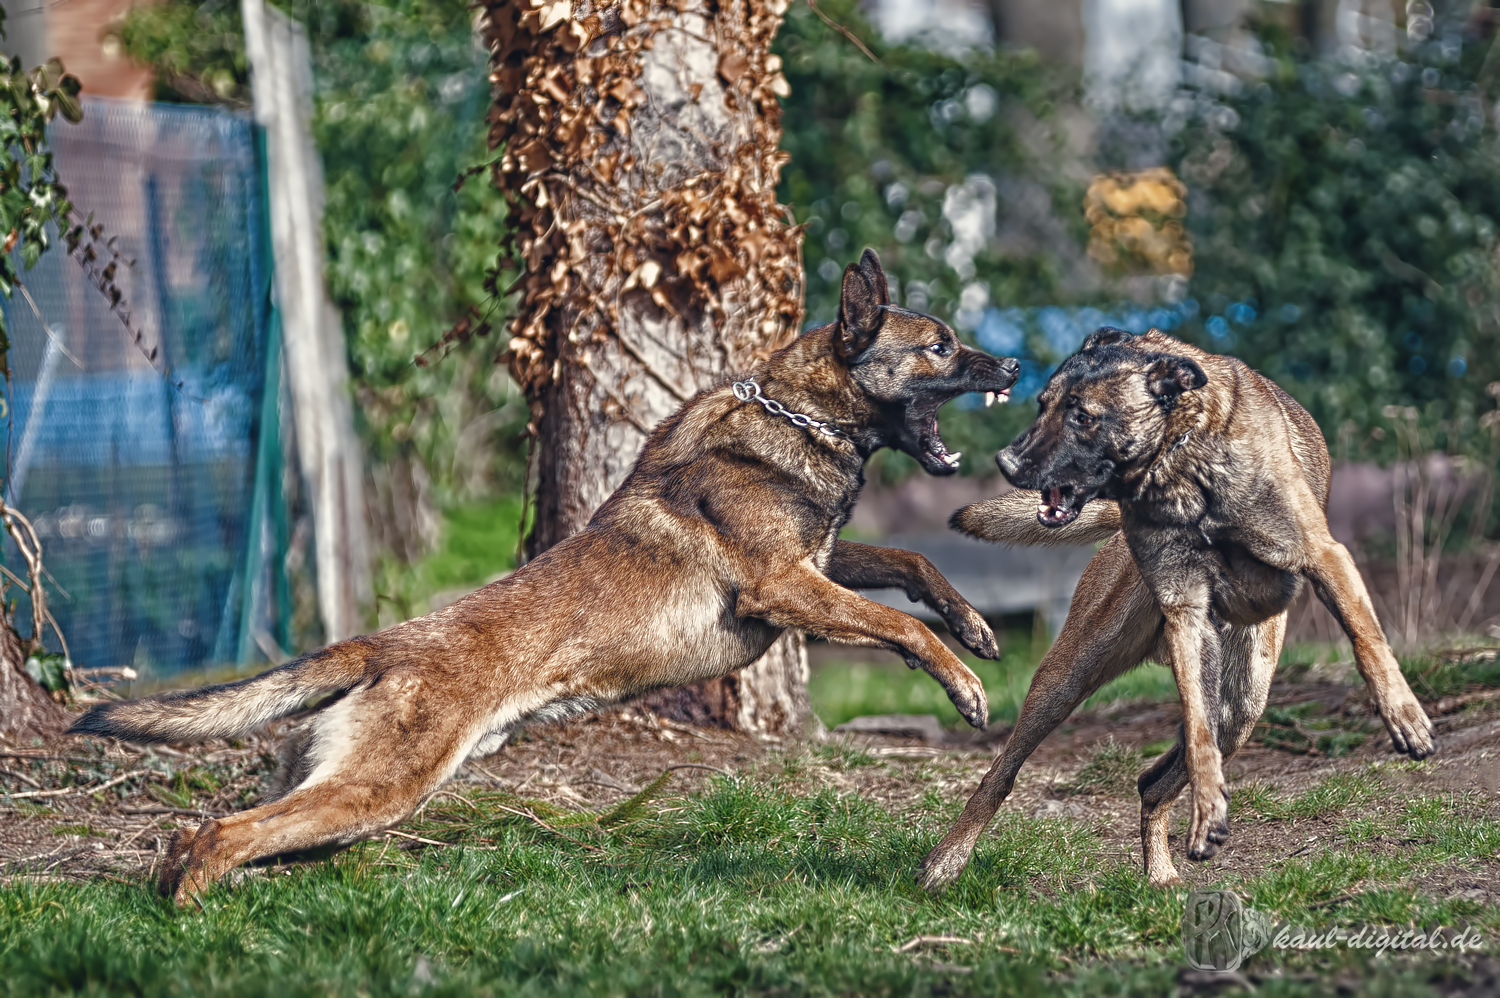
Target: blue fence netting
<point x="158" y="507"/>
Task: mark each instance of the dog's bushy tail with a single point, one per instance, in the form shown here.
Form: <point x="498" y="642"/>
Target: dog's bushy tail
<point x="1011" y="519"/>
<point x="227" y="709"/>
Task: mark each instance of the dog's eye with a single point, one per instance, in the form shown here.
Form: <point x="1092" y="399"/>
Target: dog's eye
<point x="1082" y="418"/>
<point x="941" y="349"/>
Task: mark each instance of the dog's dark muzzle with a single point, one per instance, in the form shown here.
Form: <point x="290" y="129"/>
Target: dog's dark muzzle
<point x="1011" y="467"/>
<point x="992" y="375"/>
<point x="1062" y="499"/>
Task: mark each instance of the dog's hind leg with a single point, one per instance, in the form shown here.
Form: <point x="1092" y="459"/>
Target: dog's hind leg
<point x="1249" y="657"/>
<point x="1112" y="626"/>
<point x="325" y="814"/>
<point x="1336" y="581"/>
<point x="1335" y="578"/>
<point x="372" y="758"/>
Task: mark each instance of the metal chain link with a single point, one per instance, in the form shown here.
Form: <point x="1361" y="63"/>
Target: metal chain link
<point x="749" y="390"/>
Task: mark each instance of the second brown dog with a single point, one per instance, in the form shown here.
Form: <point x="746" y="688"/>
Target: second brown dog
<point x="1210" y="485"/>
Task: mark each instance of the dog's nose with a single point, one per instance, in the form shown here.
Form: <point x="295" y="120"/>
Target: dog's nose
<point x="1007" y="463"/>
<point x="1010" y="365"/>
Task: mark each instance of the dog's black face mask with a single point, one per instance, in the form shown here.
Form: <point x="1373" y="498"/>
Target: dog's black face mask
<point x="909" y="364"/>
<point x="1102" y="414"/>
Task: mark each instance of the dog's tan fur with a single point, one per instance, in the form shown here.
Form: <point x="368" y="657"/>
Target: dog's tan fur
<point x="1216" y="486"/>
<point x="724" y="534"/>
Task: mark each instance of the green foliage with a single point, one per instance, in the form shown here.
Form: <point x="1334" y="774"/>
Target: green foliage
<point x="31" y="196"/>
<point x="1305" y="727"/>
<point x="197" y="51"/>
<point x="1330" y="796"/>
<point x="401" y="95"/>
<point x="478" y="543"/>
<point x="1452" y="672"/>
<point x="1344" y="218"/>
<point x="50" y="670"/>
<point x="877" y="151"/>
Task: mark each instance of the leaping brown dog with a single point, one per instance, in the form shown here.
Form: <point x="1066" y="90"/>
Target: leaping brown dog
<point x="724" y="534"/>
<point x="1210" y="485"/>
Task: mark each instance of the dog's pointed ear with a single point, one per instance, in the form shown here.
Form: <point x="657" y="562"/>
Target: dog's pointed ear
<point x="1170" y="376"/>
<point x="1103" y="337"/>
<point x="869" y="265"/>
<point x="860" y="315"/>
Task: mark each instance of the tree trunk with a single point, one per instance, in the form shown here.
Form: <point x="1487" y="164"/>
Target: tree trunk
<point x="640" y="161"/>
<point x="26" y="711"/>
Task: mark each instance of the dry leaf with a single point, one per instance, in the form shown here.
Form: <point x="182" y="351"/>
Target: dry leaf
<point x="732" y="65"/>
<point x="555" y="13"/>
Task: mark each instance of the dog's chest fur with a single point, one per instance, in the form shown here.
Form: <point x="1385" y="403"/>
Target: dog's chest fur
<point x="1206" y="529"/>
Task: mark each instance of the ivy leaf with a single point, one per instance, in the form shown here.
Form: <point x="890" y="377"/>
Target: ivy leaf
<point x="50" y="670"/>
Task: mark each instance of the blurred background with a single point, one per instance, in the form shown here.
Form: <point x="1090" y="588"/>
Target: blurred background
<point x="1313" y="187"/>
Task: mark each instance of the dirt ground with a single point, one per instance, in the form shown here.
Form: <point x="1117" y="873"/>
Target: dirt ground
<point x="80" y="809"/>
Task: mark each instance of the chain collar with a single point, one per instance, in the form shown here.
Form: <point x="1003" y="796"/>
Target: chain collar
<point x="749" y="391"/>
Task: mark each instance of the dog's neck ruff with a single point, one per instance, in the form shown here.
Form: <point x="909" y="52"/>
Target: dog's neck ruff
<point x="1163" y="455"/>
<point x="749" y="391"/>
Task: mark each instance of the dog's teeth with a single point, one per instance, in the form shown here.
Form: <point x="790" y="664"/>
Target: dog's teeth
<point x="1042" y="508"/>
<point x="1004" y="396"/>
<point x="989" y="399"/>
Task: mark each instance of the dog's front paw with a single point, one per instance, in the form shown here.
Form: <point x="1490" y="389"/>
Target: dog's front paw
<point x="967" y="694"/>
<point x="1210" y="824"/>
<point x="973" y="630"/>
<point x="1409" y="725"/>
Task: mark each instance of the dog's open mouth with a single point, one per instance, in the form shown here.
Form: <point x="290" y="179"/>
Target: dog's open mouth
<point x="1057" y="507"/>
<point x="934" y="451"/>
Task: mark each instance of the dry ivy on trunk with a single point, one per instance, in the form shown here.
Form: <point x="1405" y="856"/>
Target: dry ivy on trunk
<point x="639" y="152"/>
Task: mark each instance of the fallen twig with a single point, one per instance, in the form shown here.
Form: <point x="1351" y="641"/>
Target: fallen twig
<point x="435" y="842"/>
<point x="532" y="817"/>
<point x="912" y="944"/>
<point x="1448" y="705"/>
<point x="164" y="809"/>
<point x="417" y="838"/>
<point x="19" y="776"/>
<point x="69" y="791"/>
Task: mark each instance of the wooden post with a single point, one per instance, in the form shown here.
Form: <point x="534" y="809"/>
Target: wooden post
<point x="316" y="367"/>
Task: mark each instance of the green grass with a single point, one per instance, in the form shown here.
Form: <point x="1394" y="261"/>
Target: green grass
<point x="1111" y="768"/>
<point x="767" y="884"/>
<point x="478" y="542"/>
<point x="842" y="690"/>
<point x="1332" y="796"/>
<point x="1443" y="675"/>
